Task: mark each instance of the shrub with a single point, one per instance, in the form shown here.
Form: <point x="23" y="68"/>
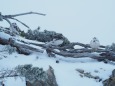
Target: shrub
<point x="9" y="49"/>
<point x="31" y="73"/>
<point x="111" y="47"/>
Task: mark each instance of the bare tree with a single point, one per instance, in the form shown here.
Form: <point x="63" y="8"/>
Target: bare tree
<point x="7" y="17"/>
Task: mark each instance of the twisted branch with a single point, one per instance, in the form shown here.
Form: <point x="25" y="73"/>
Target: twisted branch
<point x="21" y="22"/>
<point x="6" y="17"/>
<point x="21" y="14"/>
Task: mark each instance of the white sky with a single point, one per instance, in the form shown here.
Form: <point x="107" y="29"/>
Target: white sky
<point x="78" y="20"/>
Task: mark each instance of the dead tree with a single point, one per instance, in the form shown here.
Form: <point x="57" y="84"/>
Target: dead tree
<point x="21" y="47"/>
<point x="86" y="51"/>
<point x="67" y="50"/>
<point x="7" y="17"/>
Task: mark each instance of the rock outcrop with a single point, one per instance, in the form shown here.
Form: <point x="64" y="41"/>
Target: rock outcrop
<point x="111" y="80"/>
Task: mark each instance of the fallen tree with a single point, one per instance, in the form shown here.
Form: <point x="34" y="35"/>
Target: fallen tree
<point x="66" y="49"/>
<point x="69" y="51"/>
<point x="7" y="17"/>
<point x="21" y="48"/>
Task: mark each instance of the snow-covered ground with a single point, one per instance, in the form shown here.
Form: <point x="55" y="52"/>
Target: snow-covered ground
<point x="79" y="21"/>
<point x="65" y="70"/>
<point x="17" y="81"/>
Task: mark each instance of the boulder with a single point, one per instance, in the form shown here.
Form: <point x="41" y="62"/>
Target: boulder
<point x="113" y="73"/>
<point x="111" y="80"/>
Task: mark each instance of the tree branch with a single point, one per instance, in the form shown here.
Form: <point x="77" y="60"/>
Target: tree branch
<point x="6" y="17"/>
<point x="8" y="21"/>
<point x="21" y="22"/>
<point x="21" y="48"/>
<point x="21" y="14"/>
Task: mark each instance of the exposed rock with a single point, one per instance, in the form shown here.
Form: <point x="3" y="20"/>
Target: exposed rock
<point x="96" y="71"/>
<point x="88" y="75"/>
<point x="80" y="70"/>
<point x="36" y="83"/>
<point x="113" y="73"/>
<point x="57" y="61"/>
<point x="111" y="80"/>
<point x="51" y="80"/>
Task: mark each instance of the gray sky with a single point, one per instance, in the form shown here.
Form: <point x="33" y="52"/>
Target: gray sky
<point x="78" y="20"/>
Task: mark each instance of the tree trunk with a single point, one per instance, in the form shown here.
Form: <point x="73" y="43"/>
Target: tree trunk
<point x="21" y="48"/>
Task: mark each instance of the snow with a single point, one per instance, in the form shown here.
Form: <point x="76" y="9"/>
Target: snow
<point x="26" y="40"/>
<point x="55" y="42"/>
<point x="5" y="36"/>
<point x="79" y="21"/>
<point x="18" y="81"/>
<point x="65" y="70"/>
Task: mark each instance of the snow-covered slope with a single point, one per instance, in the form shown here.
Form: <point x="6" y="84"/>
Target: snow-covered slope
<point x="65" y="70"/>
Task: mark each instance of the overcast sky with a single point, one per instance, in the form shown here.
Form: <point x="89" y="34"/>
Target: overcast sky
<point x="78" y="20"/>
